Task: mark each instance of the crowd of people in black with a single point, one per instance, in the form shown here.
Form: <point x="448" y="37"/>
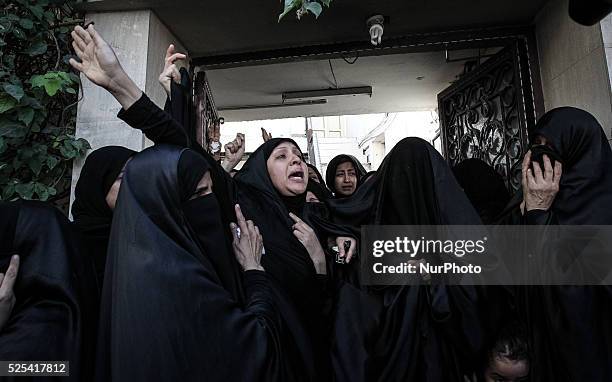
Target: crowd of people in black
<point x="178" y="268"/>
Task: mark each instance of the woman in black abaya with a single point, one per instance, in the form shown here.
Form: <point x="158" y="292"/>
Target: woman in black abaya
<point x="166" y="313"/>
<point x="56" y="296"/>
<point x="94" y="199"/>
<point x="570" y="325"/>
<point x="420" y="333"/>
<point x="484" y="188"/>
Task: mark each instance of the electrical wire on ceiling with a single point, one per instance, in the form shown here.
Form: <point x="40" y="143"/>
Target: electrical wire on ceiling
<point x="333" y="74"/>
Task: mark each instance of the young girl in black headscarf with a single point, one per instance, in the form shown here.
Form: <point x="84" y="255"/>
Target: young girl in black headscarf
<point x="345" y="183"/>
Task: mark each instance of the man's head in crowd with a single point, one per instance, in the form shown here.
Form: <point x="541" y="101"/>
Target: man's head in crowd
<point x="508" y="359"/>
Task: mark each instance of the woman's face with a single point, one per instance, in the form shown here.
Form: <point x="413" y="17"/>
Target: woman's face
<point x="501" y="369"/>
<point x="312" y="175"/>
<point x="287" y="170"/>
<point x="204" y="186"/>
<point x="311" y="198"/>
<point x="111" y="195"/>
<point x="346" y="179"/>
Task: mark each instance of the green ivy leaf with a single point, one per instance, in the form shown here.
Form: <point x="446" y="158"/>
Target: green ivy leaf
<point x="42" y="191"/>
<point x="5" y="25"/>
<point x="52" y="161"/>
<point x="6" y="103"/>
<point x="37" y="11"/>
<point x="71" y="90"/>
<point x="2" y="145"/>
<point x="25" y="190"/>
<point x="14" y="91"/>
<point x="26" y="23"/>
<point x="37" y="48"/>
<point x="35" y="165"/>
<point x="25" y="115"/>
<point x="8" y="191"/>
<point x="68" y="152"/>
<point x="19" y="34"/>
<point x="315" y="8"/>
<point x="11" y="129"/>
<point x="289" y="6"/>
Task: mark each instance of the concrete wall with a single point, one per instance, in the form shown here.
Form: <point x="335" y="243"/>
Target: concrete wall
<point x="573" y="62"/>
<point x="140" y="41"/>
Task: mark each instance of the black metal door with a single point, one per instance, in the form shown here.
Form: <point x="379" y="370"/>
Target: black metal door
<point x="487" y="113"/>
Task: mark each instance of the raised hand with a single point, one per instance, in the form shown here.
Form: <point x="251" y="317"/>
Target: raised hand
<point x="265" y="135"/>
<point x="248" y="242"/>
<point x="234" y="151"/>
<point x="98" y="60"/>
<point x="101" y="66"/>
<point x="306" y="235"/>
<point x="170" y="72"/>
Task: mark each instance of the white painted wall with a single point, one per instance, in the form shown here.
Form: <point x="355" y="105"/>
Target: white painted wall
<point x="140" y="41"/>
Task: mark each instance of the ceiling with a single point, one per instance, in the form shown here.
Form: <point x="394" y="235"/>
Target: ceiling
<point x="393" y="78"/>
<point x="228" y="27"/>
<point x="216" y="30"/>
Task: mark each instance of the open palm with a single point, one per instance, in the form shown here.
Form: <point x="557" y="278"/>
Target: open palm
<point x="98" y="60"/>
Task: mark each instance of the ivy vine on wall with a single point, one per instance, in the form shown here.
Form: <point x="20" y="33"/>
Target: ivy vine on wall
<point x="303" y="7"/>
<point x="38" y="98"/>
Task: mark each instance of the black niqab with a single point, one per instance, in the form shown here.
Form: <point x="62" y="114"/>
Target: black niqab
<point x="165" y="315"/>
<point x="585" y="190"/>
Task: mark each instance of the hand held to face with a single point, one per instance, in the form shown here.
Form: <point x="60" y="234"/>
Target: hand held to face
<point x="540" y="186"/>
<point x="248" y="244"/>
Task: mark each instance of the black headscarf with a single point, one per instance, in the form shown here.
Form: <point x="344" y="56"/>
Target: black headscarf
<point x="319" y="191"/>
<point x="484" y="187"/>
<point x="286" y="258"/>
<point x="410" y="332"/>
<point x="319" y="176"/>
<point x="165" y="314"/>
<point x="585" y="190"/>
<point x="569" y="326"/>
<point x="56" y="297"/>
<point x="330" y="173"/>
<point x="205" y="217"/>
<point x="92" y="216"/>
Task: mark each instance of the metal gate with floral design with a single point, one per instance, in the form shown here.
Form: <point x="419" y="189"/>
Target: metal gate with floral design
<point x="487" y="113"/>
